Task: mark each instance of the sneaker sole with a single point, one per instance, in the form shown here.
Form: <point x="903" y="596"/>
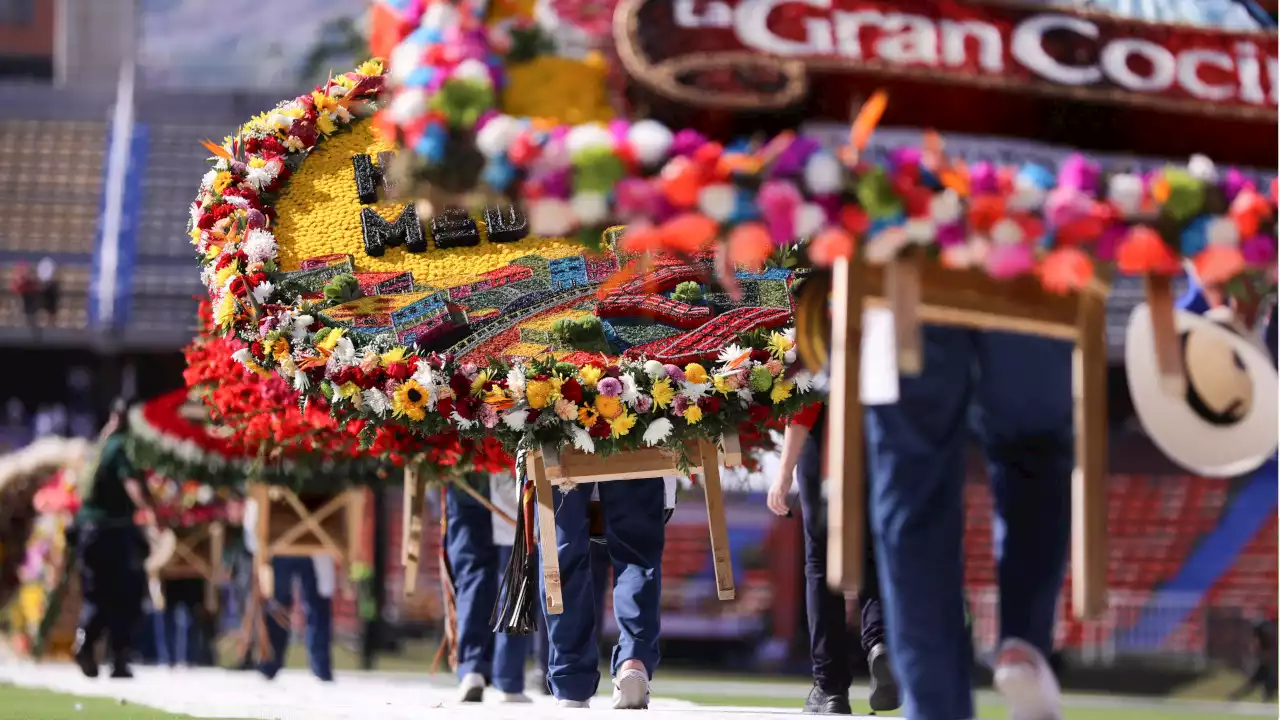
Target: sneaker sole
<point x="633" y="693"/>
<point x="884" y="687"/>
<point x="1021" y="690"/>
<point x="472" y="695"/>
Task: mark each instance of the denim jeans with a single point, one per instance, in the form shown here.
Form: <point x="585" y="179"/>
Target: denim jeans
<point x="633" y="511"/>
<point x="317" y="611"/>
<point x="600" y="567"/>
<point x="1015" y="393"/>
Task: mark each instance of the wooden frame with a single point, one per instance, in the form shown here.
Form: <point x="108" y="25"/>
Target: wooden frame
<point x="198" y="554"/>
<point x="550" y="469"/>
<point x="926" y="292"/>
<point x="293" y="525"/>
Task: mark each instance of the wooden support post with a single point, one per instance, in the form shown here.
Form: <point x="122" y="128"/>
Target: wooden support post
<point x="217" y="537"/>
<point x="715" y="519"/>
<point x="548" y="538"/>
<point x="846" y="497"/>
<point x="411" y="534"/>
<point x="1089" y="481"/>
<point x="1168" y="347"/>
<point x="260" y="494"/>
<point x="902" y="285"/>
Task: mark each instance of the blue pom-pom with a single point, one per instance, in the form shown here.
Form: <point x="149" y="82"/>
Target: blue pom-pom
<point x="431" y="145"/>
<point x="885" y="222"/>
<point x="1195" y="236"/>
<point x="421" y="77"/>
<point x="426" y="36"/>
<point x="744" y="208"/>
<point x="930" y="180"/>
<point x="499" y="173"/>
<point x="1039" y="175"/>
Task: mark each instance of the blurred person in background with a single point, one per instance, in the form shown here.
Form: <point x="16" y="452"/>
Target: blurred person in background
<point x="178" y="627"/>
<point x="25" y="287"/>
<point x="110" y="550"/>
<point x="804" y="445"/>
<point x="49" y="288"/>
<point x="478" y="545"/>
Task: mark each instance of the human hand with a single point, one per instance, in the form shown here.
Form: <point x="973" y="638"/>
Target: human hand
<point x="778" y="492"/>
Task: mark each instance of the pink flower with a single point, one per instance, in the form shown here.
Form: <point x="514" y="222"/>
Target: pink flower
<point x="1008" y="261"/>
<point x="643" y="404"/>
<point x="488" y="415"/>
<point x="679" y="405"/>
<point x="609" y="387"/>
<point x="674" y="372"/>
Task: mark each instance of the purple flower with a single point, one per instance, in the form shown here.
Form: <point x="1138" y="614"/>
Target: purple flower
<point x="982" y="179"/>
<point x="686" y="142"/>
<point x="255" y="219"/>
<point x="674" y="372"/>
<point x="951" y="234"/>
<point x="904" y="157"/>
<point x="488" y="415"/>
<point x="634" y="198"/>
<point x="1233" y="183"/>
<point x="679" y="405"/>
<point x="471" y="370"/>
<point x="778" y="200"/>
<point x="1078" y="173"/>
<point x="609" y="387"/>
<point x="1110" y="239"/>
<point x="643" y="404"/>
<point x="790" y="162"/>
<point x="558" y="183"/>
<point x="1259" y="251"/>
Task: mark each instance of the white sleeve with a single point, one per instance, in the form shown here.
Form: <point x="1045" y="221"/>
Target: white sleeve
<point x="670" y="483"/>
<point x="250" y="526"/>
<point x="505" y="496"/>
<point x="326" y="575"/>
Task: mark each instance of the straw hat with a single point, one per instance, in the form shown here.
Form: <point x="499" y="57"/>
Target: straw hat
<point x="1225" y="424"/>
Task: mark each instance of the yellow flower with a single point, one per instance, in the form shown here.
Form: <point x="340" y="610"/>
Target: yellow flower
<point x="722" y="384"/>
<point x="280" y="349"/>
<point x="695" y="373"/>
<point x="330" y="341"/>
<point x="225" y="313"/>
<point x="622" y="424"/>
<point x="587" y="416"/>
<point x="693" y="415"/>
<point x="195" y="238"/>
<point x="590" y="374"/>
<point x="482" y="379"/>
<point x="663" y="393"/>
<point x="496" y="396"/>
<point x="325" y="125"/>
<point x="254" y="367"/>
<point x="221" y="182"/>
<point x="538" y="393"/>
<point x="779" y="344"/>
<point x="323" y="102"/>
<point x="257" y="162"/>
<point x="392" y="356"/>
<point x="348" y="389"/>
<point x="609" y="407"/>
<point x="781" y="391"/>
<point x="370" y="67"/>
<point x="227" y="273"/>
<point x="409" y="400"/>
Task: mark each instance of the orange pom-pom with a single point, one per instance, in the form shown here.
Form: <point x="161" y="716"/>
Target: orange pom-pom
<point x="830" y="245"/>
<point x="1145" y="252"/>
<point x="386" y="30"/>
<point x="680" y="182"/>
<point x="985" y="211"/>
<point x="1248" y="210"/>
<point x="750" y="245"/>
<point x="641" y="238"/>
<point x="689" y="233"/>
<point x="1064" y="270"/>
<point x="1219" y="264"/>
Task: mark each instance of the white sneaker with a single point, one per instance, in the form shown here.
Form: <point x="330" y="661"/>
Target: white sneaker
<point x="471" y="688"/>
<point x="572" y="704"/>
<point x="631" y="690"/>
<point x="514" y="698"/>
<point x="1027" y="683"/>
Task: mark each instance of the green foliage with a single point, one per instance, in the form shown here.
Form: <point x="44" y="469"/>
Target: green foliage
<point x="585" y="333"/>
<point x="343" y="288"/>
<point x="529" y="43"/>
<point x="688" y="292"/>
<point x="463" y="102"/>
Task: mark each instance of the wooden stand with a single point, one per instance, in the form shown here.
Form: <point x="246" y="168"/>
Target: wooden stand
<point x="973" y="300"/>
<point x="293" y="525"/>
<point x="550" y="468"/>
<point x="198" y="554"/>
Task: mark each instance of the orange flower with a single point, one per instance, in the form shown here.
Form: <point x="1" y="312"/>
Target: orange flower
<point x="750" y="245"/>
<point x="1219" y="264"/>
<point x="1065" y="269"/>
<point x="1145" y="252"/>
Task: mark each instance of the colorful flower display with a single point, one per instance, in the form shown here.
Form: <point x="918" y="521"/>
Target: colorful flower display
<point x="678" y="190"/>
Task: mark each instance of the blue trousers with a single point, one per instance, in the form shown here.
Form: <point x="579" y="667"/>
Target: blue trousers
<point x="1015" y="393"/>
<point x="317" y="611"/>
<point x="599" y="582"/>
<point x="113" y="582"/>
<point x="633" y="513"/>
<point x="478" y="565"/>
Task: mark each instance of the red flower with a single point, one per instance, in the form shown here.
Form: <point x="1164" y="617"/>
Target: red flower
<point x="709" y="404"/>
<point x="600" y="429"/>
<point x="399" y="371"/>
<point x="571" y="390"/>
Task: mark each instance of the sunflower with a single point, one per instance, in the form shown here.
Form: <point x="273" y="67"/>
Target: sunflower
<point x="622" y="424"/>
<point x="609" y="407"/>
<point x="587" y="416"/>
<point x="410" y="399"/>
<point x="663" y="393"/>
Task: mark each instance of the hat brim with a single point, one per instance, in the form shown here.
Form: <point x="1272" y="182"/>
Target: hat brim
<point x="1183" y="435"/>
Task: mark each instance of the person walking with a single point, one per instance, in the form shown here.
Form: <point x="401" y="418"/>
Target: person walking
<point x="478" y="545"/>
<point x="110" y="550"/>
<point x="804" y="448"/>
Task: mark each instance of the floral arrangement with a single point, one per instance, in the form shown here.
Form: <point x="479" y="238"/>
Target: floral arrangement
<point x="167" y="437"/>
<point x="187" y="503"/>
<point x="678" y="190"/>
<point x="305" y="320"/>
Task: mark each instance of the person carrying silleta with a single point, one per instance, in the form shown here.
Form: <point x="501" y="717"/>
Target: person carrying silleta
<point x="110" y="550"/>
<point x="804" y="445"/>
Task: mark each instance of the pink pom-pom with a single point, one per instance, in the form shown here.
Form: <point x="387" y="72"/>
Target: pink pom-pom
<point x="1009" y="261"/>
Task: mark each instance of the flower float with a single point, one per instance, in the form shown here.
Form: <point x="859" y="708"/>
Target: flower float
<point x="677" y="189"/>
<point x="471" y="326"/>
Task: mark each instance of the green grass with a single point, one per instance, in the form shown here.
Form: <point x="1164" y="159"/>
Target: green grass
<point x="28" y="704"/>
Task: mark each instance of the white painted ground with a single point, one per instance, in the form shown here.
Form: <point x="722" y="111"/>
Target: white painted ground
<point x="295" y="695"/>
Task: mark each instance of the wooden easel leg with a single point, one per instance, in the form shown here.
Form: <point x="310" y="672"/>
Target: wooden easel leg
<point x="411" y="539"/>
<point x="902" y="285"/>
<point x="1173" y="380"/>
<point x="1089" y="481"/>
<point x="216" y="536"/>
<point x="261" y="495"/>
<point x="547" y="536"/>
<point x="720" y="553"/>
<point x="846" y="496"/>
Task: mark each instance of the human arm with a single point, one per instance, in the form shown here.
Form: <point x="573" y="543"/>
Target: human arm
<point x="793" y="439"/>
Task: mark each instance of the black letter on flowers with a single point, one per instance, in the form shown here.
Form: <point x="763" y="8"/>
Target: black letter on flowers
<point x="505" y="224"/>
<point x="454" y="228"/>
<point x="379" y="234"/>
<point x="369" y="176"/>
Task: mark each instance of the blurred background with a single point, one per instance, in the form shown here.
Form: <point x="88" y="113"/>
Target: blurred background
<point x="102" y="107"/>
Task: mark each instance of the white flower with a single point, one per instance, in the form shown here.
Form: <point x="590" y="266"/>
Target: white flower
<point x="803" y="380"/>
<point x="582" y="439"/>
<point x="423" y="376"/>
<point x="1006" y="232"/>
<point x="280" y="120"/>
<point x="496" y="136"/>
<point x="809" y="219"/>
<point x="591" y="208"/>
<point x="207" y="180"/>
<point x="262" y="292"/>
<point x="550" y="217"/>
<point x="629" y="390"/>
<point x="1125" y="193"/>
<point x="345" y="351"/>
<point x="1223" y="231"/>
<point x="301" y="327"/>
<point x="730" y="353"/>
<point x="744" y="397"/>
<point x="196" y="213"/>
<point x="301" y="382"/>
<point x="822" y="173"/>
<point x="260" y="245"/>
<point x="655" y="370"/>
<point x="1026" y="195"/>
<point x="693" y="391"/>
<point x="1202" y="168"/>
<point x="376" y="401"/>
<point x="236" y="201"/>
<point x="717" y="201"/>
<point x="589" y="136"/>
<point x="242" y="355"/>
<point x="516" y="419"/>
<point x="463" y="423"/>
<point x="658" y="431"/>
<point x="515" y="378"/>
<point x="440" y="16"/>
<point x="259" y="177"/>
<point x="945" y="207"/>
<point x="472" y="70"/>
<point x="651" y="141"/>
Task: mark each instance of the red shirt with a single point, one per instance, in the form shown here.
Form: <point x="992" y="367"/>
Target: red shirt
<point x="808" y="416"/>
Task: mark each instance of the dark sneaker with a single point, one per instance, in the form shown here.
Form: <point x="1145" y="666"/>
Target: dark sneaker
<point x="821" y="702"/>
<point x="121" y="672"/>
<point x="84" y="656"/>
<point x="884" y="686"/>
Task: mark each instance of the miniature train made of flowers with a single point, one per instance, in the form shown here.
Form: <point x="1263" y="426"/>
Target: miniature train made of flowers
<point x="675" y="189"/>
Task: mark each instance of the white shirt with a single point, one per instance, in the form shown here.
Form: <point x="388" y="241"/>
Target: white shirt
<point x="326" y="570"/>
<point x="505" y="496"/>
<point x="670" y="483"/>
